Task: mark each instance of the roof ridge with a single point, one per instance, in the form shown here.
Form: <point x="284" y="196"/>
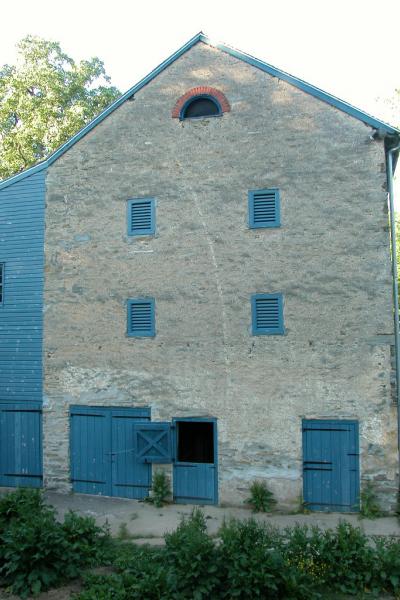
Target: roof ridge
<point x="255" y="62"/>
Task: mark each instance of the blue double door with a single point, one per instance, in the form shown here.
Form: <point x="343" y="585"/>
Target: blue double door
<point x="103" y="458"/>
<point x="331" y="465"/>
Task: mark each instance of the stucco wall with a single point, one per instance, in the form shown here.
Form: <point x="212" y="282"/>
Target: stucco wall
<point x="330" y="259"/>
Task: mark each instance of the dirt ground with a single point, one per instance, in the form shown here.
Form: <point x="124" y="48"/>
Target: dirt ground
<point x="147" y="524"/>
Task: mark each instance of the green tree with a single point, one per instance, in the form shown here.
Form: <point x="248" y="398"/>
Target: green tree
<point x="44" y="99"/>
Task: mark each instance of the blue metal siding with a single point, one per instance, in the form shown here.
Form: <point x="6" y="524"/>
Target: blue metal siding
<point x="1" y="283"/>
<point x="331" y="465"/>
<point x="21" y="318"/>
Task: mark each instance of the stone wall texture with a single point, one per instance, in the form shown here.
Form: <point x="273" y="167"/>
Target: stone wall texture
<point x="330" y="259"/>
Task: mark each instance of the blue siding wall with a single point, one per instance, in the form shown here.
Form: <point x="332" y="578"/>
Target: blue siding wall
<point x="21" y="319"/>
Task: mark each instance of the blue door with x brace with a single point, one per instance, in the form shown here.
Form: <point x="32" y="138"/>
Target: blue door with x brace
<point x="331" y="465"/>
<point x="191" y="445"/>
<point x="103" y="458"/>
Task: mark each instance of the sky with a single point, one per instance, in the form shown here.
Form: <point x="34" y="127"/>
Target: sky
<point x="343" y="47"/>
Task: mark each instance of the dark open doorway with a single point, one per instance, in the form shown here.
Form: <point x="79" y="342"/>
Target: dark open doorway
<point x="195" y="442"/>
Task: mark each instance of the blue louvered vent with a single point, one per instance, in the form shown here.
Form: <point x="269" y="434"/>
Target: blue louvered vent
<point x="267" y="314"/>
<point x="1" y="283"/>
<point x="141" y="317"/>
<point x="141" y="216"/>
<point x="264" y="210"/>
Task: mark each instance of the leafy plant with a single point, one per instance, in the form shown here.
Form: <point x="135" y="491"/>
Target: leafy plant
<point x="21" y="504"/>
<point x="87" y="541"/>
<point x="160" y="489"/>
<point x="192" y="558"/>
<point x="337" y="559"/>
<point x="36" y="551"/>
<point x="261" y="498"/>
<point x="386" y="565"/>
<point x="146" y="573"/>
<point x="369" y="505"/>
<point x="104" y="587"/>
<point x="252" y="560"/>
<point x="253" y="564"/>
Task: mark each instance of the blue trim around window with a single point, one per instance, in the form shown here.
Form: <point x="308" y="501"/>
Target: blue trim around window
<point x="2" y="277"/>
<point x="143" y="221"/>
<point x="267" y="318"/>
<point x="197" y="97"/>
<point x="264" y="208"/>
<point x="145" y="325"/>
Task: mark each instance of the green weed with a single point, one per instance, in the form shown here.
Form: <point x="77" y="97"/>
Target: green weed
<point x="261" y="498"/>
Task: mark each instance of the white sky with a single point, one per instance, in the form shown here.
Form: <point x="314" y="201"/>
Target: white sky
<point x="346" y="47"/>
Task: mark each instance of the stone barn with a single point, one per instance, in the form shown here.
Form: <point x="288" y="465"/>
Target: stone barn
<point x="200" y="281"/>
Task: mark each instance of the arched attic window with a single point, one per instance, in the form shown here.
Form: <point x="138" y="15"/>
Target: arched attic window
<point x="201" y="102"/>
<point x="201" y="106"/>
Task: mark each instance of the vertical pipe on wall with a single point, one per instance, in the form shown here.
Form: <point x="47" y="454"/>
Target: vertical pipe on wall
<point x="395" y="281"/>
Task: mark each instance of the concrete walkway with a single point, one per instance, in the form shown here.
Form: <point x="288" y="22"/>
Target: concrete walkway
<point x="147" y="524"/>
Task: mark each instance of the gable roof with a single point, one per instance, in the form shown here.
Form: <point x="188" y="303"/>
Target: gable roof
<point x="351" y="110"/>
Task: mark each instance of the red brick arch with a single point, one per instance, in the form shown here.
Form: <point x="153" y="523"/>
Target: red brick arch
<point x="200" y="91"/>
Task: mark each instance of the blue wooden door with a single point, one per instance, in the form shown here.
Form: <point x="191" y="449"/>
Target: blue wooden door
<point x="195" y="466"/>
<point x="103" y="461"/>
<point x="90" y="450"/>
<point x="191" y="445"/>
<point x="21" y="445"/>
<point x="131" y="478"/>
<point x="331" y="465"/>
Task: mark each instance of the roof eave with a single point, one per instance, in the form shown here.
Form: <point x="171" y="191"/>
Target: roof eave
<point x="381" y="126"/>
<point x="306" y="87"/>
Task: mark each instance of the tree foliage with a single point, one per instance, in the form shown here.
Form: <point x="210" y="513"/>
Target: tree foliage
<point x="44" y="99"/>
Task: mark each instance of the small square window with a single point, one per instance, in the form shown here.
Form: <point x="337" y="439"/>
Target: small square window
<point x="141" y="216"/>
<point x="264" y="208"/>
<point x="141" y="317"/>
<point x="267" y="314"/>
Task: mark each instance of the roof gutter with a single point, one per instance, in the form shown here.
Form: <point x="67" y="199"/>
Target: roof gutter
<point x="389" y="160"/>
